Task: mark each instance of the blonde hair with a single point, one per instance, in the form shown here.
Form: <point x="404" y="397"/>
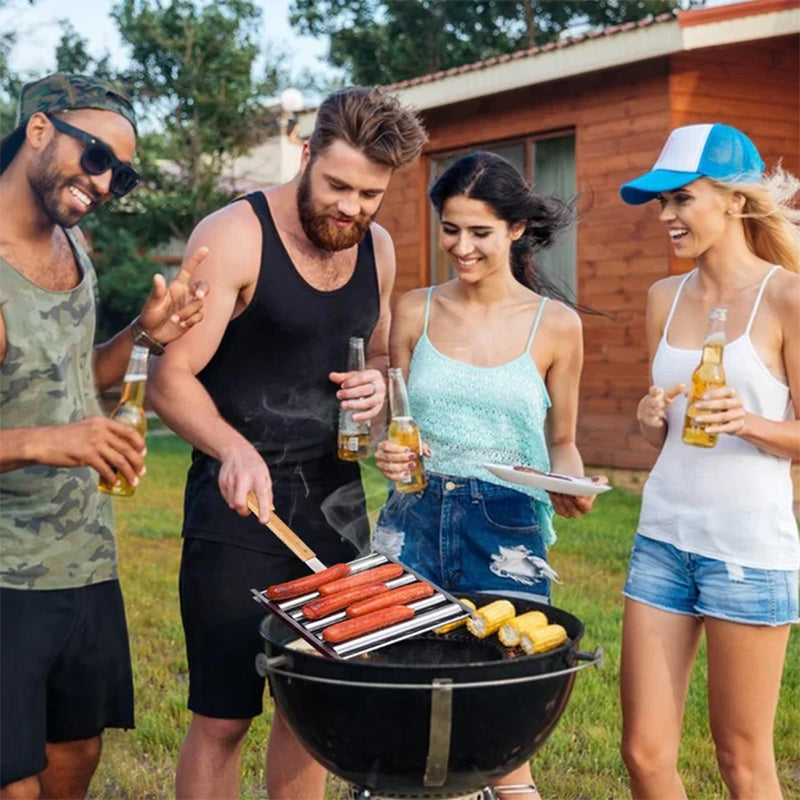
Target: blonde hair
<point x="771" y="216"/>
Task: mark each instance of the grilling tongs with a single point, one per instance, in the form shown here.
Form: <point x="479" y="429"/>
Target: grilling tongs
<point x="288" y="536"/>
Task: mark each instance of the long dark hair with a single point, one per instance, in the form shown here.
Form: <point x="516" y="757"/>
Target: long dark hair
<point x="488" y="177"/>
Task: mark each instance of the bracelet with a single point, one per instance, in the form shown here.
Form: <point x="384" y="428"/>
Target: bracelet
<point x="142" y="338"/>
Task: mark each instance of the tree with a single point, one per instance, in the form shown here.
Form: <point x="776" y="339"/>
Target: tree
<point x="191" y="80"/>
<point x="10" y="82"/>
<point x="191" y="76"/>
<point x="384" y="41"/>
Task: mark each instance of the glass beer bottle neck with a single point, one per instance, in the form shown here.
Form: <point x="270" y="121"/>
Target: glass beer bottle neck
<point x="133" y="393"/>
<point x="355" y="357"/>
<point x="712" y="353"/>
<point x="398" y="395"/>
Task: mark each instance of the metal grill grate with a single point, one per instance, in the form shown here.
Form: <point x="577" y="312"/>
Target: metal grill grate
<point x="429" y="613"/>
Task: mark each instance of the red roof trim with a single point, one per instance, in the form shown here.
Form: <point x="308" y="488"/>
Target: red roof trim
<point x="490" y="62"/>
<point x="749" y="8"/>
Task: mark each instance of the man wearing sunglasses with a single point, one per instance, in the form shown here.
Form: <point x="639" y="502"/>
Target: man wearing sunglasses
<point x="65" y="672"/>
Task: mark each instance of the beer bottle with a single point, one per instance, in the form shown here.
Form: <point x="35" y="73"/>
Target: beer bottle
<point x="353" y="436"/>
<point x="709" y="375"/>
<point x="404" y="431"/>
<point x="130" y="411"/>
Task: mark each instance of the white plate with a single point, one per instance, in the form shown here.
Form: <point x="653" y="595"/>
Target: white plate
<point x="549" y="481"/>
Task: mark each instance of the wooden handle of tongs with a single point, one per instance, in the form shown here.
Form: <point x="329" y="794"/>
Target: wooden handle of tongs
<point x="282" y="531"/>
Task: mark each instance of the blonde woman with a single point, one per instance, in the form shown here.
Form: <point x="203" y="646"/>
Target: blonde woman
<point x="717" y="546"/>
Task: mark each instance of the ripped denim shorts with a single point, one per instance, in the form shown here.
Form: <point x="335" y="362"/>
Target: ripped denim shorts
<point x="468" y="535"/>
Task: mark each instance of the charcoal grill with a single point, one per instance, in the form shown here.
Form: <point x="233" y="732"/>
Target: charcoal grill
<point x="440" y="716"/>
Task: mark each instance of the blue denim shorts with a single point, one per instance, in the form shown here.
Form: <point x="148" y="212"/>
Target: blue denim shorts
<point x="468" y="535"/>
<point x="663" y="576"/>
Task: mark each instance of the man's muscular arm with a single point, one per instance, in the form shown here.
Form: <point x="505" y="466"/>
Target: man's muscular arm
<point x="233" y="237"/>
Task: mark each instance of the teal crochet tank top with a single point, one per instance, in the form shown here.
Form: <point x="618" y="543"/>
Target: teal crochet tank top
<point x="471" y="415"/>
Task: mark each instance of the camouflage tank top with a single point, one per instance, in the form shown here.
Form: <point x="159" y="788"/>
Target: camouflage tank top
<point x="56" y="528"/>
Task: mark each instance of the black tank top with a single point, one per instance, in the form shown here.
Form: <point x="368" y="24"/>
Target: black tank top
<point x="269" y="380"/>
<point x="269" y="376"/>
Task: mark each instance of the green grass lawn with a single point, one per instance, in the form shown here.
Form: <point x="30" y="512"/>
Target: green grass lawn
<point x="579" y="760"/>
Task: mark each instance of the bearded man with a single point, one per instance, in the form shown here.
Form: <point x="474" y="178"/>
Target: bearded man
<point x="297" y="270"/>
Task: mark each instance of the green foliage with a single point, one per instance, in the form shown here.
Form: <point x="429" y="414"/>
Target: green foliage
<point x="10" y="83"/>
<point x="191" y="80"/>
<point x="72" y="55"/>
<point x="192" y="76"/>
<point x="383" y="41"/>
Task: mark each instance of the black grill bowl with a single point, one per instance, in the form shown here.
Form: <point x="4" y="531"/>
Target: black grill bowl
<point x="368" y="720"/>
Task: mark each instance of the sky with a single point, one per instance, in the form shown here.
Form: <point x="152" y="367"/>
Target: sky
<point x="38" y="33"/>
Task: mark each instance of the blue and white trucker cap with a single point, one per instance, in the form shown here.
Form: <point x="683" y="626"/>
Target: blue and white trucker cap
<point x="697" y="151"/>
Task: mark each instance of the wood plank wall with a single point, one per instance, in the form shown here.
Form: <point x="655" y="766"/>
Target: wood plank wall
<point x="754" y="86"/>
<point x="620" y="119"/>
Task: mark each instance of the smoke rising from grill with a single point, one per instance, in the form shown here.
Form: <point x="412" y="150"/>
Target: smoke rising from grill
<point x="344" y="510"/>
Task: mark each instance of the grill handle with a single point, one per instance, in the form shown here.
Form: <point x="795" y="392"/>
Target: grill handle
<point x="596" y="658"/>
<point x="265" y="665"/>
<point x="441" y="724"/>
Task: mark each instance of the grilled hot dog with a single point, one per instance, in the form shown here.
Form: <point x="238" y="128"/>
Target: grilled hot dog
<point x="310" y="583"/>
<point x="374" y="575"/>
<point x="397" y="597"/>
<point x="322" y="606"/>
<point x="351" y="628"/>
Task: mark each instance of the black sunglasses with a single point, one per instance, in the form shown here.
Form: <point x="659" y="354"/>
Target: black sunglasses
<point x="98" y="157"/>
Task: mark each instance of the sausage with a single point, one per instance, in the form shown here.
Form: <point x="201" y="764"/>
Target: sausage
<point x="351" y="628"/>
<point x="322" y="606"/>
<point x="397" y="597"/>
<point x="374" y="575"/>
<point x="284" y="591"/>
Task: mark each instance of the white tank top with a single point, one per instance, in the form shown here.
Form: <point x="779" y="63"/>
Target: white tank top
<point x="732" y="502"/>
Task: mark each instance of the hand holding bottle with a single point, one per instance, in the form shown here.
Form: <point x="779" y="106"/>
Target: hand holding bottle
<point x="395" y="461"/>
<point x="404" y="433"/>
<point x="362" y="392"/>
<point x="721" y="411"/>
<point x="129" y="413"/>
<point x="108" y="446"/>
<point x="709" y="375"/>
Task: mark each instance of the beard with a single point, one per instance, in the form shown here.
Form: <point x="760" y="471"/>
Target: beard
<point x="317" y="226"/>
<point x="47" y="184"/>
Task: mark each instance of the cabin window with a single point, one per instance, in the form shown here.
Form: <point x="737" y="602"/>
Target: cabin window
<point x="548" y="162"/>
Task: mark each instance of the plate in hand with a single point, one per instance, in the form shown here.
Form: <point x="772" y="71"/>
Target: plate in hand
<point x="549" y="481"/>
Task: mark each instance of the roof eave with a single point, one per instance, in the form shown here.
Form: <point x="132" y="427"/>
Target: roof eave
<point x="586" y="56"/>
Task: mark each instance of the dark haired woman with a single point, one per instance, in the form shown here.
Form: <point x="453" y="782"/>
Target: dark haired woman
<point x="491" y="364"/>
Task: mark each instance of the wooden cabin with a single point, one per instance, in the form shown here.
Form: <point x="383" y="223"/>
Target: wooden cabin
<point x="587" y="114"/>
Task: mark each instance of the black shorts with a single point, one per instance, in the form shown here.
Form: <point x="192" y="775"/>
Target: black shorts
<point x="221" y="619"/>
<point x="65" y="671"/>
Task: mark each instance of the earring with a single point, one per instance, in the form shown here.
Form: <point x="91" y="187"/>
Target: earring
<point x="729" y="212"/>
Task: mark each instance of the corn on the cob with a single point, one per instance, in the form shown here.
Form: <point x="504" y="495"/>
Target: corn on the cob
<point x="539" y="640"/>
<point x="510" y="632"/>
<point x="489" y="619"/>
<point x="451" y="626"/>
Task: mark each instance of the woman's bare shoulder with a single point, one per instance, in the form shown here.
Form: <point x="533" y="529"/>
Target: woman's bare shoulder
<point x="562" y="319"/>
<point x="783" y="294"/>
<point x="412" y="302"/>
<point x="664" y="288"/>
